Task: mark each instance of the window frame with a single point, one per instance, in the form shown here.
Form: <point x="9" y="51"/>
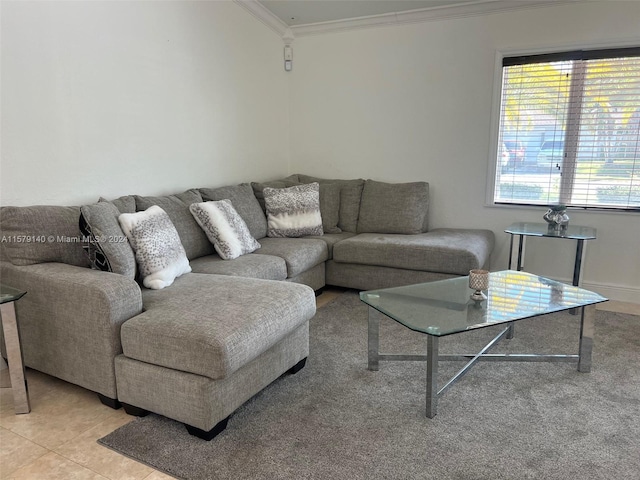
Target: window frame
<point x="550" y="51"/>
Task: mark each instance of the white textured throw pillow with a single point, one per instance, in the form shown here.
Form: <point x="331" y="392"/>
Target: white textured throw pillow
<point x="293" y="211"/>
<point x="225" y="228"/>
<point x="160" y="255"/>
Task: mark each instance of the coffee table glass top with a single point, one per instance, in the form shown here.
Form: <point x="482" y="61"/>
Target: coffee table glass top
<point x="10" y="294"/>
<point x="445" y="307"/>
<point x="573" y="232"/>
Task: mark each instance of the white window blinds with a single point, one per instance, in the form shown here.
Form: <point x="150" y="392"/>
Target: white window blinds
<point x="570" y="130"/>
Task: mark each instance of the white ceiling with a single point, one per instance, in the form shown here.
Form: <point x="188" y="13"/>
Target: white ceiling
<point x="303" y="12"/>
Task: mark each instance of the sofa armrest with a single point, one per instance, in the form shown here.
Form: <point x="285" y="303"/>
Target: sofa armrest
<point x="70" y="320"/>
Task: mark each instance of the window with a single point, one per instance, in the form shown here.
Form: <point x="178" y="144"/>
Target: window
<point x="570" y="124"/>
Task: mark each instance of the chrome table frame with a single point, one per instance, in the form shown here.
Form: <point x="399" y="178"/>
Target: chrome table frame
<point x="583" y="357"/>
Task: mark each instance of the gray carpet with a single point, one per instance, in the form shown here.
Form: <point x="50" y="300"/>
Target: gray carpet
<point x="337" y="420"/>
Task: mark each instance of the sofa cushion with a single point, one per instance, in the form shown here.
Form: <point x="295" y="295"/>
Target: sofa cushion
<point x="105" y="242"/>
<point x="245" y="203"/>
<point x="42" y="233"/>
<point x="224" y="228"/>
<point x="258" y="188"/>
<point x="393" y="207"/>
<point x="453" y="251"/>
<point x="350" y="194"/>
<point x="330" y="207"/>
<point x="193" y="239"/>
<point x="156" y="243"/>
<point x="212" y="325"/>
<point x="331" y="239"/>
<point x="293" y="211"/>
<point x="252" y="265"/>
<point x="300" y="254"/>
<point x="329" y="200"/>
<point x="124" y="204"/>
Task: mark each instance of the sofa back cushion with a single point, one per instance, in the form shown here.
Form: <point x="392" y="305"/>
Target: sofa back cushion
<point x="124" y="204"/>
<point x="42" y="233"/>
<point x="350" y="194"/>
<point x="394" y="207"/>
<point x="193" y="239"/>
<point x="244" y="202"/>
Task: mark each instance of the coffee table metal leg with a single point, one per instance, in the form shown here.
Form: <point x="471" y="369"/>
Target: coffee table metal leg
<point x="587" y="329"/>
<point x="373" y="338"/>
<point x="510" y="331"/>
<point x="432" y="376"/>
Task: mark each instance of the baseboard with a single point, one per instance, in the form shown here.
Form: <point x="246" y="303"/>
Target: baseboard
<point x="619" y="293"/>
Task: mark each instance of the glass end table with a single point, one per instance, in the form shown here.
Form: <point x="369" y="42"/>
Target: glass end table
<point x="9" y="295"/>
<point x="571" y="232"/>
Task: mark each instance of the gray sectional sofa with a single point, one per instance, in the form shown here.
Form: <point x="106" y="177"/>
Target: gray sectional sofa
<point x="198" y="349"/>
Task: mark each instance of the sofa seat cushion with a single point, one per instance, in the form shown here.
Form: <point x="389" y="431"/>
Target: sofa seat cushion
<point x="267" y="267"/>
<point x="300" y="254"/>
<point x="212" y="325"/>
<point x="331" y="239"/>
<point x="444" y="250"/>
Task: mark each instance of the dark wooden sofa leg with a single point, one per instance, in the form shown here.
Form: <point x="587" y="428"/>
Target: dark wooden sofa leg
<point x="109" y="402"/>
<point x="319" y="291"/>
<point x="298" y="366"/>
<point x="208" y="435"/>
<point x="135" y="411"/>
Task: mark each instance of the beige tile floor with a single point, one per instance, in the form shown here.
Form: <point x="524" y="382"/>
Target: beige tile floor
<point x="57" y="440"/>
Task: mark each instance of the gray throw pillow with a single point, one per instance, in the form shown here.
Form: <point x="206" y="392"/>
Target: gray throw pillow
<point x="245" y="203"/>
<point x="194" y="240"/>
<point x="105" y="243"/>
<point x="329" y="200"/>
<point x="293" y="211"/>
<point x="225" y="228"/>
<point x="156" y="243"/>
<point x="393" y="207"/>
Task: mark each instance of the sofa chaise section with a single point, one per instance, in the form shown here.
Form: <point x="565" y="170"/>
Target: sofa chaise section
<point x="371" y="261"/>
<point x="200" y="351"/>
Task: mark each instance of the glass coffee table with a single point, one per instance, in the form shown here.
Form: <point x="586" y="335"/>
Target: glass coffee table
<point x="445" y="308"/>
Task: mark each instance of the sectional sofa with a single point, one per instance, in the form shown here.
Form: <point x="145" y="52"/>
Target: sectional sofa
<point x="198" y="349"/>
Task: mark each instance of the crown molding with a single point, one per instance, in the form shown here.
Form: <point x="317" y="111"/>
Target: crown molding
<point x="461" y="10"/>
<point x="265" y="16"/>
<point x="424" y="15"/>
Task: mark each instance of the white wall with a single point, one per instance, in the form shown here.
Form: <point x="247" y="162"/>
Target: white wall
<point x="414" y="102"/>
<point x="112" y="98"/>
